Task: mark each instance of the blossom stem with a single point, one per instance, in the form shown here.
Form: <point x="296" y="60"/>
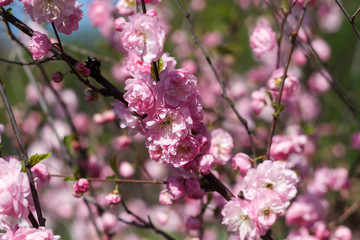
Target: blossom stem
<point x="23" y="154"/>
<point x="115" y="180"/>
<point x="352" y="19"/>
<point x="293" y="38"/>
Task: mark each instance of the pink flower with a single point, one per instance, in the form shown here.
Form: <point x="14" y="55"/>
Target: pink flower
<point x="80" y="187"/>
<point x="291" y="86"/>
<point x="113" y="198"/>
<point x="122" y="142"/>
<point x="282" y="146"/>
<point x="262" y="40"/>
<point x="301" y="3"/>
<point x="193" y="189"/>
<point x="71" y="22"/>
<point x="140" y="93"/>
<point x="241" y="162"/>
<point x="5" y="2"/>
<point x="271" y="175"/>
<point x="239" y="216"/>
<point x="41" y="175"/>
<point x="341" y="233"/>
<point x="100" y="12"/>
<point x="322" y="48"/>
<point x="144" y="36"/>
<point x="181" y="152"/>
<point x="32" y="233"/>
<point x="14" y="189"/>
<point x="301" y="234"/>
<point x="305" y="211"/>
<point x="48" y="11"/>
<point x="125" y="7"/>
<point x="176" y="187"/>
<point x="355" y="140"/>
<point x="57" y="77"/>
<point x="221" y="146"/>
<point x="176" y="88"/>
<point x="134" y="63"/>
<point x="212" y="39"/>
<point x="40" y="45"/>
<point x="126" y="170"/>
<point x="259" y="99"/>
<point x="205" y="164"/>
<point x="318" y="83"/>
<point x="127" y="119"/>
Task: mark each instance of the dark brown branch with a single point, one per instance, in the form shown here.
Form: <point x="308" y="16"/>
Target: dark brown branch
<point x="23" y="155"/>
<point x="92" y="218"/>
<point x="278" y="100"/>
<point x="214" y="184"/>
<point x="29" y="63"/>
<point x="351" y="21"/>
<point x="221" y="83"/>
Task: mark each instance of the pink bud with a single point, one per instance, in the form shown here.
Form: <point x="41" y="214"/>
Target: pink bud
<point x="241" y="162"/>
<point x="79" y="66"/>
<point x="122" y="142"/>
<point x="113" y="198"/>
<point x="98" y="118"/>
<point x="193" y="223"/>
<point x="90" y="95"/>
<point x="109" y="116"/>
<point x="341" y="233"/>
<point x="152" y="12"/>
<point x="85" y="72"/>
<point x="41" y="175"/>
<point x="165" y="198"/>
<point x="57" y="77"/>
<point x="118" y="22"/>
<point x="193" y="189"/>
<point x="205" y="164"/>
<point x="176" y="187"/>
<point x="80" y="187"/>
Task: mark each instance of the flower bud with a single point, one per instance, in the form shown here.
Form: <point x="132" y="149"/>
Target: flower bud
<point x="57" y="77"/>
<point x="90" y="95"/>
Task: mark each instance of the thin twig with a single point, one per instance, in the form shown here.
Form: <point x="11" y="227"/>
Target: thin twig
<point x="345" y="215"/>
<point x="23" y="154"/>
<point x="29" y="63"/>
<point x="287" y="64"/>
<point x="221" y="83"/>
<point x="114" y="180"/>
<point x="348" y="18"/>
<point x="352" y="19"/>
<point x="92" y="218"/>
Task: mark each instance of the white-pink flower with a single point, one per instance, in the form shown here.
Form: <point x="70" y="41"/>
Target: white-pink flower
<point x="125" y="7"/>
<point x="140" y="93"/>
<point x="239" y="216"/>
<point x="180" y="152"/>
<point x="262" y="40"/>
<point x="5" y="2"/>
<point x="40" y="45"/>
<point x="275" y="176"/>
<point x="221" y="147"/>
<point x="291" y="86"/>
<point x="144" y="36"/>
<point x="242" y="162"/>
<point x="70" y="23"/>
<point x="15" y="192"/>
<point x="32" y="233"/>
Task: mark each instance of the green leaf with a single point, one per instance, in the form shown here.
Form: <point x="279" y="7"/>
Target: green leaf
<point x="36" y="158"/>
<point x="68" y="141"/>
<point x="270" y="95"/>
<point x="279" y="110"/>
<point x="111" y="177"/>
<point x="22" y="166"/>
<point x="76" y="173"/>
<point x="69" y="179"/>
<point x="113" y="164"/>
<point x="160" y="65"/>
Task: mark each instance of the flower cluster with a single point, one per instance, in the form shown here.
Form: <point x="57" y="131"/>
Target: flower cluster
<point x="65" y="14"/>
<point x="266" y="193"/>
<point x="167" y="112"/>
<point x="39" y="45"/>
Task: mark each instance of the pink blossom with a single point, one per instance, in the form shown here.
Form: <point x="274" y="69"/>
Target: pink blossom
<point x="125" y="7"/>
<point x="305" y="211"/>
<point x="5" y="2"/>
<point x="41" y="175"/>
<point x="14" y="188"/>
<point x="339" y="179"/>
<point x="181" y="152"/>
<point x="40" y="45"/>
<point x="165" y="198"/>
<point x="118" y="22"/>
<point x="176" y="88"/>
<point x="221" y="146"/>
<point x="291" y="86"/>
<point x="301" y="3"/>
<point x="100" y="12"/>
<point x="262" y="40"/>
<point x="176" y="187"/>
<point x="259" y="99"/>
<point x="80" y="187"/>
<point x="126" y="170"/>
<point x="282" y="146"/>
<point x="190" y="66"/>
<point x="322" y="48"/>
<point x="193" y="223"/>
<point x="320" y="230"/>
<point x="271" y="175"/>
<point x="319" y="83"/>
<point x="48" y="11"/>
<point x="239" y="216"/>
<point x="57" y="77"/>
<point x="341" y="233"/>
<point x="301" y="234"/>
<point x="355" y="140"/>
<point x="140" y="93"/>
<point x="241" y="162"/>
<point x="144" y="36"/>
<point x="70" y="23"/>
<point x="299" y="58"/>
<point x="113" y="198"/>
<point x="212" y="39"/>
<point x="330" y="17"/>
<point x="205" y="164"/>
<point x="122" y="142"/>
<point x="32" y="233"/>
<point x="134" y="63"/>
<point x="127" y="119"/>
<point x="320" y="184"/>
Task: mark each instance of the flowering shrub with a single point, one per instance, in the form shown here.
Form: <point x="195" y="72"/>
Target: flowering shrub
<point x="230" y="126"/>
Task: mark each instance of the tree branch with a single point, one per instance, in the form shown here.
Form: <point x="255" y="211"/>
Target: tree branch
<point x="350" y="19"/>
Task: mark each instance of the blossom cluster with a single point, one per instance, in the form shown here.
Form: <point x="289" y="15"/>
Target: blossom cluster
<point x="265" y="194"/>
